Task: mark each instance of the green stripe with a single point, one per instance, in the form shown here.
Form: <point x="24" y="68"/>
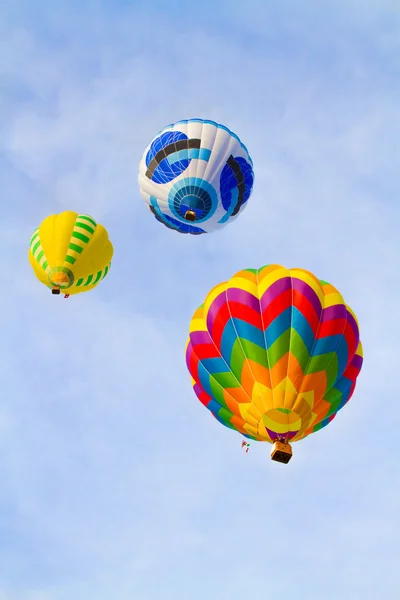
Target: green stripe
<point x="34" y="236"/>
<point x="226" y="380"/>
<point x="80" y="236"/>
<point x="253" y="352"/>
<point x="87" y="219"/>
<point x="99" y="274"/>
<point x="333" y="396"/>
<point x="299" y="350"/>
<point x="75" y="247"/>
<point x="217" y="392"/>
<point x="317" y="427"/>
<point x="84" y="226"/>
<point x="327" y="363"/>
<point x="226" y="416"/>
<point x="45" y="265"/>
<point x="70" y="259"/>
<point x="90" y="281"/>
<point x="35" y="247"/>
<point x="279" y="348"/>
<point x="40" y="256"/>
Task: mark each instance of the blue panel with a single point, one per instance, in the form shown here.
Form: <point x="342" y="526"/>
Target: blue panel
<point x="234" y="199"/>
<point x="303" y="328"/>
<point x="278" y="326"/>
<point x="229" y="184"/>
<point x="215" y="365"/>
<point x="333" y="343"/>
<point x="204" y="154"/>
<point x="343" y="385"/>
<point x="214" y="406"/>
<point x="248" y="332"/>
<point x="204" y="379"/>
<point x="228" y="339"/>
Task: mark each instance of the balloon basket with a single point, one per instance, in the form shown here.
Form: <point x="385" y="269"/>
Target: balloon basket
<point x="55" y="291"/>
<point x="281" y="452"/>
<point x="190" y="215"/>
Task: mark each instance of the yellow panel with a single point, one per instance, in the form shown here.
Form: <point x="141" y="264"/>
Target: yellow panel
<point x="95" y="256"/>
<point x="55" y="236"/>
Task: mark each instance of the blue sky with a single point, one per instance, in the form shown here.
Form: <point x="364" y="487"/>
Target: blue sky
<point x="114" y="481"/>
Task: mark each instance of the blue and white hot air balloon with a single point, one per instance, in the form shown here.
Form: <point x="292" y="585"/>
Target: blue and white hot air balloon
<point x="196" y="176"/>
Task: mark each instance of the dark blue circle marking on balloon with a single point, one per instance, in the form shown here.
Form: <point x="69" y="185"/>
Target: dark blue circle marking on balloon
<point x="236" y="174"/>
<point x="161" y="166"/>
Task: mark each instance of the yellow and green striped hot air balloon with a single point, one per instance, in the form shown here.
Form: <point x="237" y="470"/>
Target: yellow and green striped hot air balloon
<point x="70" y="252"/>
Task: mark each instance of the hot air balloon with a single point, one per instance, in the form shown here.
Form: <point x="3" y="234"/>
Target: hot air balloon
<point x="196" y="176"/>
<point x="274" y="354"/>
<point x="70" y="253"/>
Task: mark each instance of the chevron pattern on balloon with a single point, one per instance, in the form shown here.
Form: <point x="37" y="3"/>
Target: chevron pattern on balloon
<point x="274" y="353"/>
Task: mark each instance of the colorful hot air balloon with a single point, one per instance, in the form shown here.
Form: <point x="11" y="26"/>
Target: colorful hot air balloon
<point x="274" y="353"/>
<point x="70" y="253"/>
<point x="196" y="176"/>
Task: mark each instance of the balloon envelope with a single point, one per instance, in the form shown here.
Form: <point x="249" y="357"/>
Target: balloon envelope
<point x="196" y="176"/>
<point x="274" y="353"/>
<point x="70" y="252"/>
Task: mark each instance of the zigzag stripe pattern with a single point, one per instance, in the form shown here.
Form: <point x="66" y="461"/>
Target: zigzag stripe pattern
<point x="274" y="353"/>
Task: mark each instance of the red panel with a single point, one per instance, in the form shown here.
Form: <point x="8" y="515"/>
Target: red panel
<point x="276" y="307"/>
